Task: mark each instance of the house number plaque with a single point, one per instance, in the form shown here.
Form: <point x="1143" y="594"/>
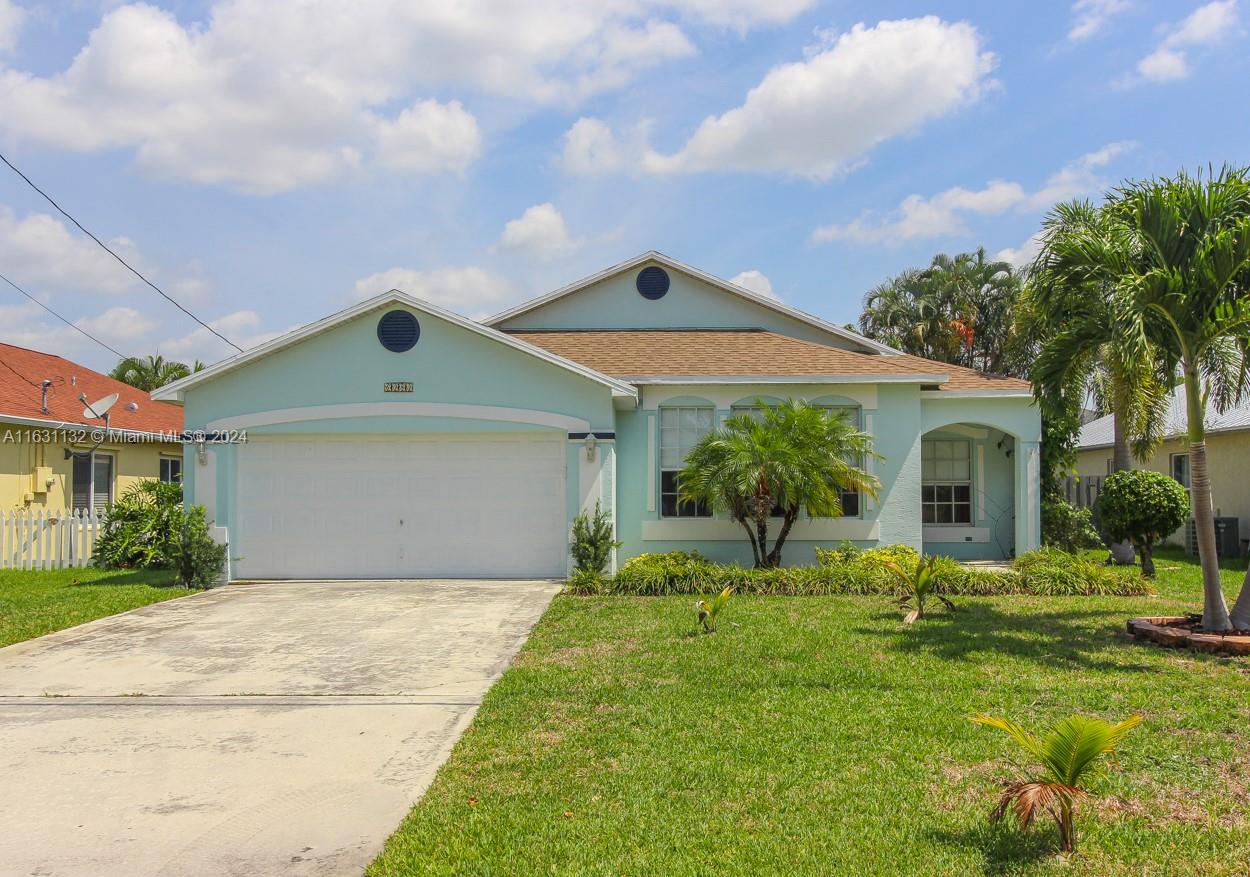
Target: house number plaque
<point x="397" y="387"/>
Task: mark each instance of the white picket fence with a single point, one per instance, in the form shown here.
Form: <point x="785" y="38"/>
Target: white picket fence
<point x="38" y="539"/>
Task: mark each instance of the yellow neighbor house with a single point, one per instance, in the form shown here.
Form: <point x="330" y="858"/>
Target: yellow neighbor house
<point x="54" y="458"/>
<point x="1228" y="459"/>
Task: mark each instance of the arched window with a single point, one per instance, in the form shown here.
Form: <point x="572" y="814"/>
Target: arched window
<point x="681" y="428"/>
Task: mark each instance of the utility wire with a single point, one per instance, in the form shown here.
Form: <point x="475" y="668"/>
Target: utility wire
<point x="106" y="249"/>
<point x="73" y="326"/>
<point x="18" y="373"/>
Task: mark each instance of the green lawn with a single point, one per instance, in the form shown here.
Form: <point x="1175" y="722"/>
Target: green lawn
<point x="33" y="603"/>
<point x="818" y="736"/>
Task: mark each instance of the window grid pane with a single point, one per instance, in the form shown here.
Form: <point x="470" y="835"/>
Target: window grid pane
<point x="946" y="481"/>
<point x="681" y="429"/>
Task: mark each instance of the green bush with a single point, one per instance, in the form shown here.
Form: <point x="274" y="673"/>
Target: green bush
<point x="586" y="583"/>
<point x="592" y="541"/>
<point x="139" y="528"/>
<point x="1143" y="507"/>
<point x="1049" y="572"/>
<point x="1068" y="527"/>
<point x="196" y="559"/>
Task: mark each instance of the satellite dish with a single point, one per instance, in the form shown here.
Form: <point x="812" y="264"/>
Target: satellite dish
<point x="98" y="408"/>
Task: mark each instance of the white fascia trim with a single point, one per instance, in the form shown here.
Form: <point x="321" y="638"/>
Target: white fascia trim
<point x="976" y="394"/>
<point x="401" y="409"/>
<point x="174" y="391"/>
<point x="686" y="380"/>
<point x="70" y="425"/>
<point x="669" y="262"/>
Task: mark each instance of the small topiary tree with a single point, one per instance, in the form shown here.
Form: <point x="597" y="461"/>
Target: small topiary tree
<point x="593" y="542"/>
<point x="1143" y="507"/>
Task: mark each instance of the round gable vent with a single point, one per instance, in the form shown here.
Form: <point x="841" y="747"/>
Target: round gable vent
<point x="398" y="331"/>
<point x="652" y="282"/>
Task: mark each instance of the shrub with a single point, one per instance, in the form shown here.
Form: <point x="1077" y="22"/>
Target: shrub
<point x="1068" y="527"/>
<point x="916" y="586"/>
<point x="592" y="541"/>
<point x="1052" y="572"/>
<point x="1143" y="507"/>
<point x="139" y="527"/>
<point x="1048" y="572"/>
<point x="196" y="559"/>
<point x="585" y="583"/>
<point x="709" y="610"/>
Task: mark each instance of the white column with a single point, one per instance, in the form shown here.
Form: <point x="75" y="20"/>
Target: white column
<point x="1028" y="496"/>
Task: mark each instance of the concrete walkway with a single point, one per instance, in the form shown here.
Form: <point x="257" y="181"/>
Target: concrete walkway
<point x="257" y="729"/>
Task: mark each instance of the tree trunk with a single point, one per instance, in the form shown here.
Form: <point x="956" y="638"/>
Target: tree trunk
<point x="775" y="558"/>
<point x="761" y="533"/>
<point x="1214" y="609"/>
<point x="1147" y="560"/>
<point x="1240" y="618"/>
<point x="1067" y="827"/>
<point x="756" y="560"/>
<point x="1121" y="461"/>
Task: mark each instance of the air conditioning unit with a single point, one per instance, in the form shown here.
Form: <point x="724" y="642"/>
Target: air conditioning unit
<point x="1227" y="537"/>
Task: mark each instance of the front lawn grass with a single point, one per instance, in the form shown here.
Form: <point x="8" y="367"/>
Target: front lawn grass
<point x="35" y="602"/>
<point x="817" y="735"/>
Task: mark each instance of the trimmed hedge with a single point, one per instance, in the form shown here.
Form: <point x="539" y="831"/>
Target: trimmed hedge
<point x="849" y="571"/>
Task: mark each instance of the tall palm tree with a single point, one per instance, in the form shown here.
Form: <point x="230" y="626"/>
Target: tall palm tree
<point x="1190" y="294"/>
<point x="152" y="372"/>
<point x="1088" y="350"/>
<point x="794" y="458"/>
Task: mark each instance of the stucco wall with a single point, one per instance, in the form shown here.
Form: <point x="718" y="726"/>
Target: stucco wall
<point x="614" y="303"/>
<point x="1228" y="458"/>
<point x="132" y="462"/>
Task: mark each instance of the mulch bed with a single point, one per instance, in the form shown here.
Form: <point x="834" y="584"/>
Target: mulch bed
<point x="1185" y="632"/>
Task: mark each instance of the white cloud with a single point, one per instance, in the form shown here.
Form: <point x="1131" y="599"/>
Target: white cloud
<point x="1205" y="26"/>
<point x="242" y="327"/>
<point x="1021" y="255"/>
<point x="591" y="147"/>
<point x="757" y="282"/>
<point x="118" y="324"/>
<point x="467" y="290"/>
<point x="265" y="97"/>
<point x="815" y="117"/>
<point x="428" y="137"/>
<point x="1091" y="16"/>
<point x="40" y="250"/>
<point x="12" y="17"/>
<point x="540" y="232"/>
<point x="943" y="214"/>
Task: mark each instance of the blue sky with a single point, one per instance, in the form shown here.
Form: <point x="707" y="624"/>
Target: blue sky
<point x="268" y="163"/>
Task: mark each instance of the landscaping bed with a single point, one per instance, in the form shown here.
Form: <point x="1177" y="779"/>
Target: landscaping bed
<point x="849" y="571"/>
<point x="1185" y="631"/>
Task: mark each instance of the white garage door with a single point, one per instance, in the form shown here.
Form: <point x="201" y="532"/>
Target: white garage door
<point x="355" y="506"/>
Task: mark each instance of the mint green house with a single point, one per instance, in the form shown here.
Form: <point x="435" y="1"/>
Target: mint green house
<point x="396" y="439"/>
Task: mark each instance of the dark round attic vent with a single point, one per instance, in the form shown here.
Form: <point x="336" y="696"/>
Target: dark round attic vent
<point x="398" y="331"/>
<point x="652" y="282"/>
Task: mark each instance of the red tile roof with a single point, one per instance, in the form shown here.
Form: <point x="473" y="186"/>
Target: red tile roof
<point x="631" y="354"/>
<point x="22" y="370"/>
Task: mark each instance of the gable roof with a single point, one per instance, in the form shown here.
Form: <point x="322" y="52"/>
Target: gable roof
<point x="690" y="271"/>
<point x="22" y="371"/>
<point x="701" y="355"/>
<point x="176" y="389"/>
<point x="1100" y="433"/>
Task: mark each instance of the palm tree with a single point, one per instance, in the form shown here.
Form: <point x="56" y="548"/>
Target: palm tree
<point x="1176" y="256"/>
<point x="794" y="457"/>
<point x="152" y="372"/>
<point x="1088" y="351"/>
<point x="1067" y="753"/>
<point x="956" y="310"/>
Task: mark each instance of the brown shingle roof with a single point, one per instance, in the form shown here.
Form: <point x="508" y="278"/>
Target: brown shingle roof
<point x="21" y="371"/>
<point x="632" y="354"/>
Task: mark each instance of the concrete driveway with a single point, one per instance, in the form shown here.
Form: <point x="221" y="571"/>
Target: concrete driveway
<point x="273" y="728"/>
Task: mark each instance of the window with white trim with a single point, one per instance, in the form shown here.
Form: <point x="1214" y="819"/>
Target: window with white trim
<point x="171" y="470"/>
<point x="946" y="481"/>
<point x="755" y="412"/>
<point x="92" y="488"/>
<point x="1180" y="468"/>
<point x="681" y="428"/>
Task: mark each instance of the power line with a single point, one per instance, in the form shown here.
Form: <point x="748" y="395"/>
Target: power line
<point x="106" y="249"/>
<point x="76" y="328"/>
<point x="18" y="373"/>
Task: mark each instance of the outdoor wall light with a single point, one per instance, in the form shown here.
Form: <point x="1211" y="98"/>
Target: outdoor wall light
<point x="590" y="447"/>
